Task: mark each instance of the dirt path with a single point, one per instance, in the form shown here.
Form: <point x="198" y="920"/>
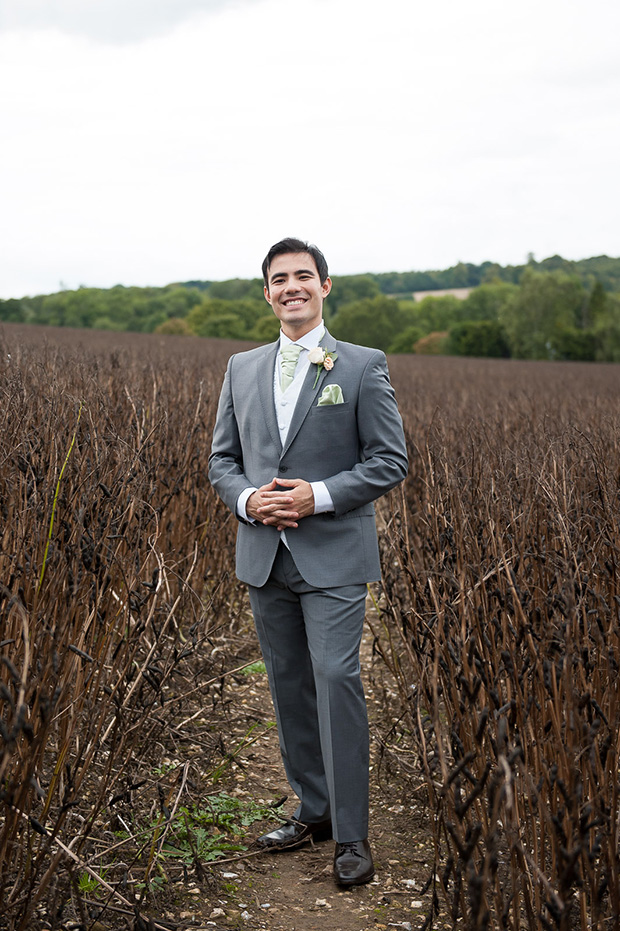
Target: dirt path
<point x="295" y="891"/>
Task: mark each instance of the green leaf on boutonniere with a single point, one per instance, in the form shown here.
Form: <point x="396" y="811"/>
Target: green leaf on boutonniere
<point x="323" y="360"/>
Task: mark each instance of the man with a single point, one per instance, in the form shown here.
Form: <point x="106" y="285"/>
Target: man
<point x="307" y="436"/>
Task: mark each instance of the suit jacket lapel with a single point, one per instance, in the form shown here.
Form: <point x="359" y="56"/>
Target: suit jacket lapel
<point x="308" y="393"/>
<point x="264" y="383"/>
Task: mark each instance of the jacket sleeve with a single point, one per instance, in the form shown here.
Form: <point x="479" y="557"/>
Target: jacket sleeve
<point x="226" y="459"/>
<point x="383" y="451"/>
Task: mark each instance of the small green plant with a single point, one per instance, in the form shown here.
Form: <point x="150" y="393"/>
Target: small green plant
<point x="214" y="829"/>
<point x="88" y="885"/>
<point x="254" y="668"/>
<point x="164" y="769"/>
<point x="154" y="884"/>
<point x="55" y="501"/>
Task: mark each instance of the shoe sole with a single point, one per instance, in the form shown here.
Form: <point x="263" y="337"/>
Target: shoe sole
<point x="355" y="882"/>
<point x="315" y="837"/>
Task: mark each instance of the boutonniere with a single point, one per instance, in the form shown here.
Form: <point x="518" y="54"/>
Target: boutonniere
<point x="323" y="360"/>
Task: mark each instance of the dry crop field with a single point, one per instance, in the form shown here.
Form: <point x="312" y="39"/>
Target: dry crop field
<point x="501" y="623"/>
<point x="498" y="619"/>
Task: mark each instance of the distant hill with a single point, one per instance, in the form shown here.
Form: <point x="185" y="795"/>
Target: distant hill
<point x="465" y="275"/>
<point x="555" y="309"/>
<point x="601" y="268"/>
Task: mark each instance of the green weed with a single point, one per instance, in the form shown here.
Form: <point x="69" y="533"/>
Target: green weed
<point x="215" y="828"/>
<point x="88" y="885"/>
<point x="254" y="668"/>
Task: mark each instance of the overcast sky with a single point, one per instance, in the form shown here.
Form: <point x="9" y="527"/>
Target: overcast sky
<point x="151" y="141"/>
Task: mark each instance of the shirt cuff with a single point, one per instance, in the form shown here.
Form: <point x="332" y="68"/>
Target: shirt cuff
<point x="322" y="498"/>
<point x="241" y="503"/>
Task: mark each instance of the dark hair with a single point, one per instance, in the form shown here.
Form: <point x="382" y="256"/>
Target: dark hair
<point x="290" y="245"/>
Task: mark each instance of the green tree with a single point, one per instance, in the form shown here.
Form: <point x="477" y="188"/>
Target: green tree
<point x="576" y="344"/>
<point x="215" y="317"/>
<point x="606" y="329"/>
<point x="486" y="301"/>
<point x="72" y="308"/>
<point x="478" y="338"/>
<point x="436" y="313"/>
<point x="404" y="282"/>
<point x="224" y="326"/>
<point x="236" y="289"/>
<point x="266" y="329"/>
<point x="373" y="322"/>
<point x="105" y="323"/>
<point x="406" y="340"/>
<point x="13" y="311"/>
<point x="177" y="302"/>
<point x="545" y="304"/>
<point x="459" y="276"/>
<point x="597" y="303"/>
<point x="349" y="288"/>
<point x="174" y="326"/>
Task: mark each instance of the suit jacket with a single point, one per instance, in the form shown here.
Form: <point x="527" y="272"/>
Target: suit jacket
<point x="357" y="448"/>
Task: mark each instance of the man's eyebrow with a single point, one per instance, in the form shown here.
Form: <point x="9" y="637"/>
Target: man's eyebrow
<point x="299" y="271"/>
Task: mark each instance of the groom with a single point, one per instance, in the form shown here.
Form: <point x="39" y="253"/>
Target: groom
<point x="307" y="436"/>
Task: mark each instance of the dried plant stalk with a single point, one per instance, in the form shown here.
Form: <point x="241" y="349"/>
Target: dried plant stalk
<point x="501" y="602"/>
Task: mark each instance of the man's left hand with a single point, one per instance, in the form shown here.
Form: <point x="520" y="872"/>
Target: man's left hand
<point x="303" y="499"/>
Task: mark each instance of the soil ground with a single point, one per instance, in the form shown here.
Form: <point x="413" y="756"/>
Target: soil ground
<point x="295" y="891"/>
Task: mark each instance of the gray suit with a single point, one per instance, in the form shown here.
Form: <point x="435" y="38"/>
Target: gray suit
<point x="308" y="600"/>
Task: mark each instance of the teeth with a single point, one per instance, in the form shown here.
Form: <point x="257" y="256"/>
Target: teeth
<point x="290" y="303"/>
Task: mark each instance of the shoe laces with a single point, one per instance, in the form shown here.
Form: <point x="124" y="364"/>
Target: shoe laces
<point x="350" y="847"/>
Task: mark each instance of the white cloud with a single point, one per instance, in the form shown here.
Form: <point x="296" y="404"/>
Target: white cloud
<point x="409" y="139"/>
<point x="114" y="21"/>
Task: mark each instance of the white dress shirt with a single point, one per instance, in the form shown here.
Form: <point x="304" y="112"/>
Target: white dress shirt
<point x="285" y="402"/>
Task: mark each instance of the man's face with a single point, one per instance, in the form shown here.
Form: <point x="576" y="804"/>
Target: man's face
<point x="295" y="292"/>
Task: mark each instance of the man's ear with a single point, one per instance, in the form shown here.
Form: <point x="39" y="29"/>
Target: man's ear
<point x="326" y="287"/>
<point x="267" y="294"/>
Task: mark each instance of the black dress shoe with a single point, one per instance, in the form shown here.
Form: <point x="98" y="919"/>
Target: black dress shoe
<point x="295" y="834"/>
<point x="353" y="863"/>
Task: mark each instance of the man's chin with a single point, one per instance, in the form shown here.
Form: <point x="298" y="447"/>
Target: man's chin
<point x="299" y="321"/>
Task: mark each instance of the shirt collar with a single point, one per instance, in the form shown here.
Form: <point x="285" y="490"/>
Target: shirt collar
<point x="309" y="341"/>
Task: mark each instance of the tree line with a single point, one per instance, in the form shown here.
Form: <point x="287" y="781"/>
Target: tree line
<point x="554" y="309"/>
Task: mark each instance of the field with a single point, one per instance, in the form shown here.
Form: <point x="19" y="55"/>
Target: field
<point x="121" y="623"/>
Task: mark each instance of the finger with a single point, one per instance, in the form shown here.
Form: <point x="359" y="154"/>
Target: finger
<point x="288" y="517"/>
<point x="280" y="524"/>
<point x="273" y="484"/>
<point x="277" y="505"/>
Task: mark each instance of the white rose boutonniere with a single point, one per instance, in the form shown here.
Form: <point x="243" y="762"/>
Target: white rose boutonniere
<point x="323" y="360"/>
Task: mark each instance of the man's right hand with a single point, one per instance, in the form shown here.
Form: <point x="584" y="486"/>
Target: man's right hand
<point x="275" y="506"/>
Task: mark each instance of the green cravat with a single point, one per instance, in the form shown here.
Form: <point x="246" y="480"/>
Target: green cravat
<point x="290" y="355"/>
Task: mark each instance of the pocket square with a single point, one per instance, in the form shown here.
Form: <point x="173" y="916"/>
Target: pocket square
<point x="332" y="394"/>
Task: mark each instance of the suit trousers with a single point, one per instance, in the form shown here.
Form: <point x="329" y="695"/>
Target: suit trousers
<point x="310" y="640"/>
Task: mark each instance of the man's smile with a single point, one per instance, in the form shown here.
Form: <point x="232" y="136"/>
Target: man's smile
<point x="296" y="293"/>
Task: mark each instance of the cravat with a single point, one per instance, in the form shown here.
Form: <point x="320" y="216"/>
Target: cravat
<point x="290" y="355"/>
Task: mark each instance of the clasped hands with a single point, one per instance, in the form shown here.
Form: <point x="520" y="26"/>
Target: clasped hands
<point x="281" y="503"/>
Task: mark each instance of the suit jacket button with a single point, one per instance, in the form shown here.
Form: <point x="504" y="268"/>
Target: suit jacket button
<point x="283" y="469"/>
